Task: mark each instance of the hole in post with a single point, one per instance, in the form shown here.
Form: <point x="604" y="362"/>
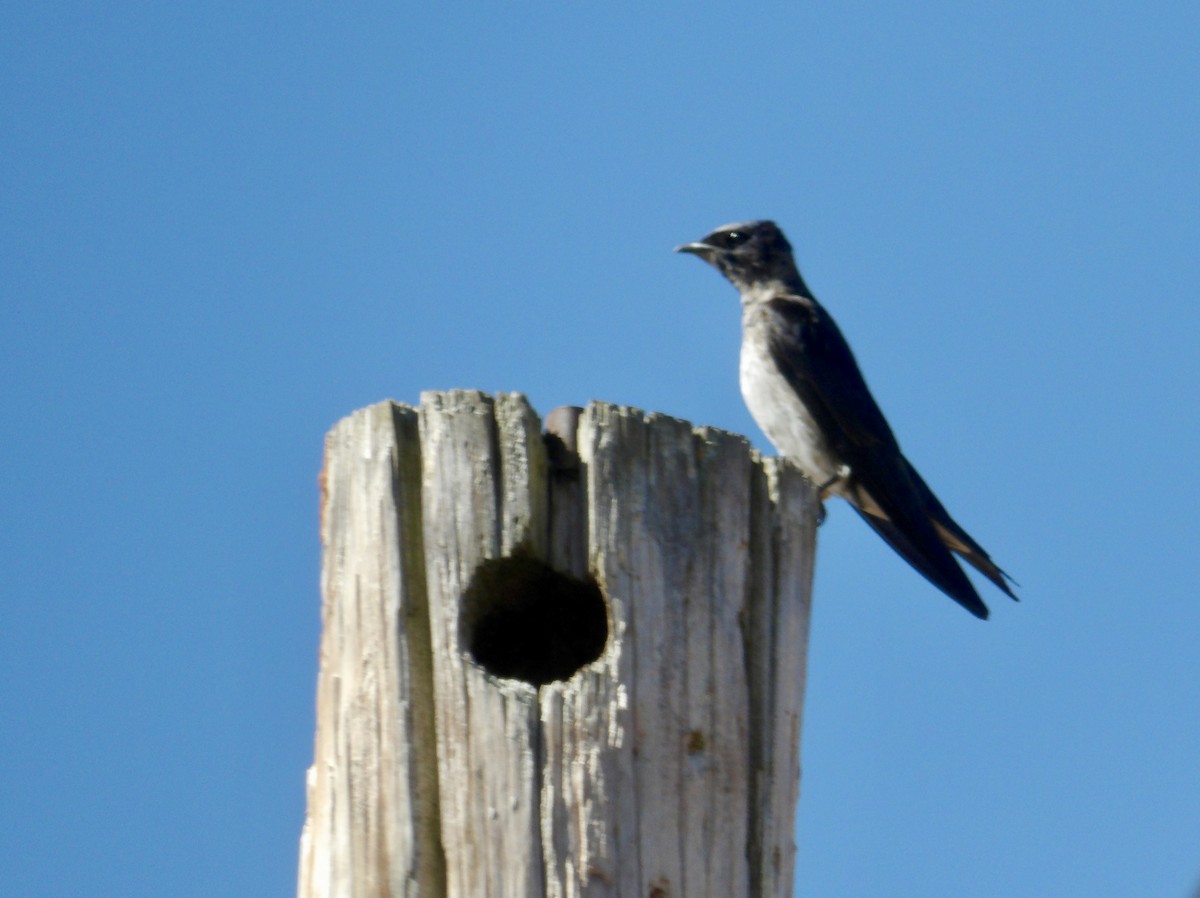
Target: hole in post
<point x="523" y="620"/>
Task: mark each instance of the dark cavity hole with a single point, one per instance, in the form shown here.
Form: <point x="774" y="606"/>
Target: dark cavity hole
<point x="523" y="620"/>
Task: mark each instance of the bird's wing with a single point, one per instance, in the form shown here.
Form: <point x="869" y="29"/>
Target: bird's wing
<point x="813" y="355"/>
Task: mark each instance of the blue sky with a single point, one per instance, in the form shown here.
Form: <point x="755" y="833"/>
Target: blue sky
<point x="226" y="226"/>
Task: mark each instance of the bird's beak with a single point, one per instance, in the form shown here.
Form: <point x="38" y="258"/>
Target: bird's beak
<point x="703" y="250"/>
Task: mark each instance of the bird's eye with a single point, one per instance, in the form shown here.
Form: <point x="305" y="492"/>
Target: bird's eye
<point x="736" y="238"/>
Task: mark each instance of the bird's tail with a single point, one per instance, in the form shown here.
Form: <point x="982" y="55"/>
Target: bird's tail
<point x="936" y="565"/>
<point x="958" y="540"/>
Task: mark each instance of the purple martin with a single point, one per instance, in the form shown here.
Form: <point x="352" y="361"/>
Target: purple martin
<point x="804" y="389"/>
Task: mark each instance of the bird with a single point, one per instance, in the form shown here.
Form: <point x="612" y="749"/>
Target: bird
<point x="805" y="391"/>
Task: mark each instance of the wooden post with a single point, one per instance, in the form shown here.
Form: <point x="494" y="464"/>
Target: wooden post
<point x="555" y="666"/>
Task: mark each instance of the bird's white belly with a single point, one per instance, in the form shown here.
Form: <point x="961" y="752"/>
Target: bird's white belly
<point x="785" y="420"/>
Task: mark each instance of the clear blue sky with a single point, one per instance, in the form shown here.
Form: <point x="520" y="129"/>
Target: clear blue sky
<point x="226" y="225"/>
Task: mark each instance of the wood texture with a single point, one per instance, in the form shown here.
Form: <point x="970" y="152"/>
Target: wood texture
<point x="668" y="766"/>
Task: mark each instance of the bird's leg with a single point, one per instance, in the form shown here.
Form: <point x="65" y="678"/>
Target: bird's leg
<point x="842" y="472"/>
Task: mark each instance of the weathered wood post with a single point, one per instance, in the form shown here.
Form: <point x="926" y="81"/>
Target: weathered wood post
<point x="569" y="665"/>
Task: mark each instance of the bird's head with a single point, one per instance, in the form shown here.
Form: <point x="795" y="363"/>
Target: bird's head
<point x="753" y="255"/>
